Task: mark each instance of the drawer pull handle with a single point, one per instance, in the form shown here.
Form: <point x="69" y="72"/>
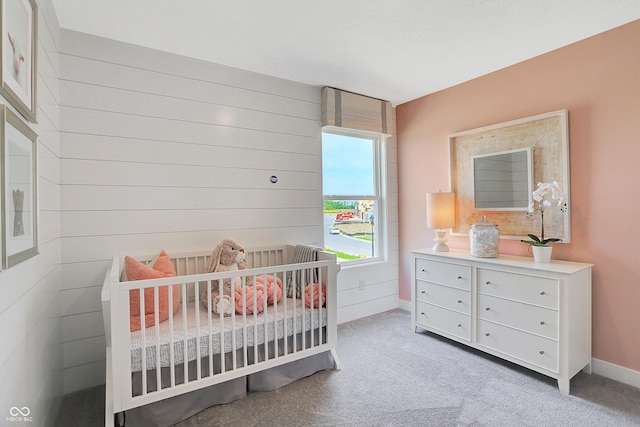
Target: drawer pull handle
<point x="459" y="277"/>
<point x="423" y="292"/>
<point x="487" y="309"/>
<point x="487" y="282"/>
<point x="487" y="334"/>
<point x="424" y="270"/>
<point x="422" y="314"/>
<point x="542" y="292"/>
<point x="542" y="322"/>
<point x="459" y="301"/>
<point x="541" y="352"/>
<point x="459" y="325"/>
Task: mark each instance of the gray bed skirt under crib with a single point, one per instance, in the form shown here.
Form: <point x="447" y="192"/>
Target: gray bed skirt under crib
<point x="178" y="408"/>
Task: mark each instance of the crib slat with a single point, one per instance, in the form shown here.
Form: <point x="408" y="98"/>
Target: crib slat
<point x="222" y="332"/>
<point x="320" y="298"/>
<point x="234" y="337"/>
<point x="156" y="306"/>
<point x="143" y="331"/>
<point x="320" y="294"/>
<point x="265" y="318"/>
<point x="284" y="308"/>
<point x="172" y="357"/>
<point x="255" y="326"/>
<point x="294" y="284"/>
<point x="276" y="333"/>
<point x="198" y="334"/>
<point x="210" y="319"/>
<point x="244" y="325"/>
<point x="185" y="359"/>
<point x="303" y="323"/>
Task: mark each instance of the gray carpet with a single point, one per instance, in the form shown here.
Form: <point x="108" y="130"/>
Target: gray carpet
<point x="393" y="377"/>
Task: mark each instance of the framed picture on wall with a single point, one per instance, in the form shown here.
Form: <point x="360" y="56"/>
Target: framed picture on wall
<point x="18" y="55"/>
<point x="19" y="193"/>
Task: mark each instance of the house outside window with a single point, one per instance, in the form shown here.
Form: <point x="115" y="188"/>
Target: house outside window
<point x="352" y="175"/>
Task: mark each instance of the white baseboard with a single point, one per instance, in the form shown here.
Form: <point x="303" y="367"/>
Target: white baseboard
<point x="616" y="372"/>
<point x="599" y="367"/>
<point x="367" y="308"/>
<point x="404" y="305"/>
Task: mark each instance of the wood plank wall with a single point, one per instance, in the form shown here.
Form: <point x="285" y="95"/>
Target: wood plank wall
<point x="30" y="353"/>
<point x="165" y="152"/>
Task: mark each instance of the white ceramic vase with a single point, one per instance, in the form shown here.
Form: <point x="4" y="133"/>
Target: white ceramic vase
<point x="541" y="253"/>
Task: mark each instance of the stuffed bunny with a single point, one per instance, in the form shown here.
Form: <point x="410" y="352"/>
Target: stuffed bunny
<point x="227" y="256"/>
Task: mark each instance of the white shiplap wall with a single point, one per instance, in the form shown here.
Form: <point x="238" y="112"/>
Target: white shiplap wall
<point x="165" y="152"/>
<point x="30" y="353"/>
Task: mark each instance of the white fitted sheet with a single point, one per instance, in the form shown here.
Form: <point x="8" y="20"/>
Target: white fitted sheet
<point x="286" y="318"/>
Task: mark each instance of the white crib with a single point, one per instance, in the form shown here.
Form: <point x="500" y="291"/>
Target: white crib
<point x="195" y="348"/>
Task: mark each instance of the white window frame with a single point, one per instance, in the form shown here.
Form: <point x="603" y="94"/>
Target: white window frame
<point x="379" y="187"/>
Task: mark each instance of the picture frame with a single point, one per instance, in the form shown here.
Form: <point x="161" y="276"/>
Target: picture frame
<point x="547" y="136"/>
<point x="19" y="213"/>
<point x="19" y="56"/>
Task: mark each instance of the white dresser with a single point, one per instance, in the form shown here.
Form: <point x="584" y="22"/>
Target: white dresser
<point x="537" y="315"/>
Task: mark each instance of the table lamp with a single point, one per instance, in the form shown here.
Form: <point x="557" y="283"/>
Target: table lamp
<point x="440" y="215"/>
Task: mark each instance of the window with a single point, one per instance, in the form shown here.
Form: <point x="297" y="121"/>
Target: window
<point x="353" y="194"/>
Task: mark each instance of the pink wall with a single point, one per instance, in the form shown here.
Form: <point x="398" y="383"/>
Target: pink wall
<point x="598" y="81"/>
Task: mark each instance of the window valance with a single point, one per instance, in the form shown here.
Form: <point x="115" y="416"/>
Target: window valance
<point x="351" y="110"/>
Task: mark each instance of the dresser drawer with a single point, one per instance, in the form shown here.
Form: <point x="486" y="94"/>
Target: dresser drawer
<point x="451" y="322"/>
<point x="540" y="291"/>
<point x="533" y="349"/>
<point x="530" y="318"/>
<point x="455" y="275"/>
<point x="444" y="296"/>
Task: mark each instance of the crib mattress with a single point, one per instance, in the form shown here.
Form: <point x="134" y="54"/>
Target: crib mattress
<point x="289" y="317"/>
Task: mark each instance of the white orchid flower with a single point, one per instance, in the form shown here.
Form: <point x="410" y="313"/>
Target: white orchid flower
<point x="540" y="204"/>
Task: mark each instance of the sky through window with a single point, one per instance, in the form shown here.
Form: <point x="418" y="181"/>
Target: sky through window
<point x="347" y="165"/>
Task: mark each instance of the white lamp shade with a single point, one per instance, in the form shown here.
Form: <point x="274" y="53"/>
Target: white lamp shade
<point x="440" y="210"/>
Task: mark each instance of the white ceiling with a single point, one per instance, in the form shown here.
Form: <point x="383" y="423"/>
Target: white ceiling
<point x="393" y="50"/>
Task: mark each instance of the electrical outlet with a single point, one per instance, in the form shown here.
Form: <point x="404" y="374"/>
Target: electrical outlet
<point x="361" y="284"/>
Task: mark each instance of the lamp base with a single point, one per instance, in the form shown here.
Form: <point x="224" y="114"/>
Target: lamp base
<point x="441" y="245"/>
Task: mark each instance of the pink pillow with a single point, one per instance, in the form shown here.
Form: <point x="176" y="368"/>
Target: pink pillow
<point x="274" y="293"/>
<point x="135" y="270"/>
<point x="247" y="304"/>
<point x="315" y="293"/>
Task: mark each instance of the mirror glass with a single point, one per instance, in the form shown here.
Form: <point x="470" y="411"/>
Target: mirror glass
<point x="502" y="180"/>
